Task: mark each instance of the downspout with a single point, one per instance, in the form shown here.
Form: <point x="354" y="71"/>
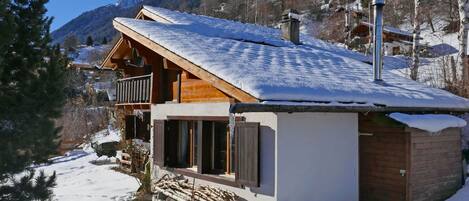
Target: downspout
<point x="378" y="40"/>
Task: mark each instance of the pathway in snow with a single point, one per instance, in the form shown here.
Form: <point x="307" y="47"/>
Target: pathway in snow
<point x="78" y="179"/>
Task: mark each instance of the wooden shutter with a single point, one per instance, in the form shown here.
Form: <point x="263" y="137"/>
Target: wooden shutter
<point x="247" y="153"/>
<point x="129" y="127"/>
<point x="158" y="143"/>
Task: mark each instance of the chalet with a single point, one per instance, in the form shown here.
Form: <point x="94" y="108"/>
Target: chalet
<point x="396" y="41"/>
<point x="240" y="107"/>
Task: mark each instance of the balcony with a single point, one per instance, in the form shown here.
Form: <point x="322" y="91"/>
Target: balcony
<point x="134" y="90"/>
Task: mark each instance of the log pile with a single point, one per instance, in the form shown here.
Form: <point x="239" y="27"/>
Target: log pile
<point x="181" y="190"/>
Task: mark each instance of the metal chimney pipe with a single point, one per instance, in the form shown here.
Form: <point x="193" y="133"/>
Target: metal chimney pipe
<point x="378" y="40"/>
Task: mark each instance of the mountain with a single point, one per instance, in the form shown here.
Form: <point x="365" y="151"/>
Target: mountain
<point x="128" y="3"/>
<point x="97" y="23"/>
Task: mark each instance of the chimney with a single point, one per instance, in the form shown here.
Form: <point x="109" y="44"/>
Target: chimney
<point x="378" y="40"/>
<point x="291" y="26"/>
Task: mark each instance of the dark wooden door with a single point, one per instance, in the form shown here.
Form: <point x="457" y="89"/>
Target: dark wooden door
<point x="383" y="157"/>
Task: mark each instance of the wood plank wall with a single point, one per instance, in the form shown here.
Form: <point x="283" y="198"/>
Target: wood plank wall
<point x="382" y="155"/>
<point x="195" y="90"/>
<point x="436" y="167"/>
<point x="165" y="83"/>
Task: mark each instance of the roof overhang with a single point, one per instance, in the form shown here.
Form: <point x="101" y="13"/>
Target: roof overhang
<point x="187" y="65"/>
<point x="259" y="107"/>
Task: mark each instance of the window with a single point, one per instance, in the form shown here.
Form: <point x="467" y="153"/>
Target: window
<point x="187" y="143"/>
<point x="214" y="139"/>
<point x="204" y="147"/>
<point x="138" y="127"/>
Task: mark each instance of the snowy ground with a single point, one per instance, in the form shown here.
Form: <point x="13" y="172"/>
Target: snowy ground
<point x="79" y="179"/>
<point x="461" y="195"/>
<point x="431" y="69"/>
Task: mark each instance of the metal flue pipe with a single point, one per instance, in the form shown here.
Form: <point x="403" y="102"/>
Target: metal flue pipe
<point x="378" y="40"/>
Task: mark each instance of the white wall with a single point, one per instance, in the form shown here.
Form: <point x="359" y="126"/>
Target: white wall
<point x="317" y="157"/>
<point x="160" y="111"/>
<point x="266" y="191"/>
<point x="304" y="156"/>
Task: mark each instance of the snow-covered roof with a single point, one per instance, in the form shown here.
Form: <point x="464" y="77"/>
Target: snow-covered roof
<point x="390" y="29"/>
<point x="432" y="123"/>
<point x="256" y="60"/>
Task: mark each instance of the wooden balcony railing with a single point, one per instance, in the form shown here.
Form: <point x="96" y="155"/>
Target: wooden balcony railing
<point x="134" y="90"/>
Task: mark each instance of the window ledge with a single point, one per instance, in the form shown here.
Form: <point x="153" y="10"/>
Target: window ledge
<point x="207" y="177"/>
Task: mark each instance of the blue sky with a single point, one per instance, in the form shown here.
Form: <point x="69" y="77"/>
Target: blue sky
<point x="65" y="10"/>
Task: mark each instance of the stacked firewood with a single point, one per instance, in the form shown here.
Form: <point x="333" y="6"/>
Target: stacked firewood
<point x="181" y="190"/>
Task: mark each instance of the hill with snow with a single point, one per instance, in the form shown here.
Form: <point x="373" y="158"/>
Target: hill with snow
<point x="97" y="23"/>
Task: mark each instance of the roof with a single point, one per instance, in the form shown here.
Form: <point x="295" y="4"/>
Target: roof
<point x="389" y="29"/>
<point x="433" y="123"/>
<point x="256" y="60"/>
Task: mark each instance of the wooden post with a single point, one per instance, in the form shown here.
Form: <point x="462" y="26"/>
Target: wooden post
<point x="178" y="95"/>
<point x="228" y="151"/>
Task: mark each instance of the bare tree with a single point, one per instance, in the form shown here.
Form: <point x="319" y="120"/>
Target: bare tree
<point x="415" y="47"/>
<point x="463" y="58"/>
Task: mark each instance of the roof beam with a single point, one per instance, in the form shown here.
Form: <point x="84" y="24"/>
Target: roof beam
<point x="187" y="65"/>
<point x="155" y="17"/>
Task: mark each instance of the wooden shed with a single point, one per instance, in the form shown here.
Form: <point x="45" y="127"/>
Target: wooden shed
<point x="402" y="163"/>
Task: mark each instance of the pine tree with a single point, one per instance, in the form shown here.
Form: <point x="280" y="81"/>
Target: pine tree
<point x="31" y="89"/>
<point x="70" y="43"/>
<point x="89" y="41"/>
<point x="104" y="42"/>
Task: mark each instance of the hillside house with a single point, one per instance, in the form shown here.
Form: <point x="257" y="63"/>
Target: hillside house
<point x="239" y="107"/>
<point x="396" y="41"/>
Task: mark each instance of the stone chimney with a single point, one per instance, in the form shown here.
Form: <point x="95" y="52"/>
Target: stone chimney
<point x="291" y="26"/>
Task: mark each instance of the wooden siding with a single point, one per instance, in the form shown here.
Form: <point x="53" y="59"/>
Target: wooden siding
<point x="158" y="143"/>
<point x="436" y="167"/>
<point x="382" y="156"/>
<point x="185" y="64"/>
<point x="247" y="153"/>
<point x="195" y="90"/>
<point x="134" y="90"/>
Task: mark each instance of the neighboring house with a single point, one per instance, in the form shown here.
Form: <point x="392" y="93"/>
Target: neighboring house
<point x="396" y="41"/>
<point x="235" y="106"/>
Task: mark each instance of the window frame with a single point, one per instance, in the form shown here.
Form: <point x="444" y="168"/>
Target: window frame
<point x="228" y="177"/>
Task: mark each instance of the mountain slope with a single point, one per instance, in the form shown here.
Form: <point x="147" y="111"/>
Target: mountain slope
<point x="97" y="23"/>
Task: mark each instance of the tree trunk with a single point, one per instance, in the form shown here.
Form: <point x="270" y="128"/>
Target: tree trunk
<point x="454" y="72"/>
<point x="415" y="48"/>
<point x="347" y="25"/>
<point x="462" y="61"/>
<point x="430" y="22"/>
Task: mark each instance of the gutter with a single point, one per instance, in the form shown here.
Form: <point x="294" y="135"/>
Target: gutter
<point x="257" y="107"/>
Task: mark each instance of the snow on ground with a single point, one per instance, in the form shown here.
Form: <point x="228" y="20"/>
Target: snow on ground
<point x="431" y="69"/>
<point x="84" y="54"/>
<point x="79" y="179"/>
<point x="462" y="194"/>
<point x="109" y="135"/>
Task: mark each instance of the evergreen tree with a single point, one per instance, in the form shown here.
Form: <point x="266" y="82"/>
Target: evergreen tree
<point x="104" y="42"/>
<point x="31" y="93"/>
<point x="70" y="43"/>
<point x="89" y="41"/>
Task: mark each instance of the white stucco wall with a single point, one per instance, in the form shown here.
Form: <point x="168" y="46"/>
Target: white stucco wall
<point x="304" y="156"/>
<point x="317" y="157"/>
<point x="268" y="121"/>
<point x="161" y="111"/>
